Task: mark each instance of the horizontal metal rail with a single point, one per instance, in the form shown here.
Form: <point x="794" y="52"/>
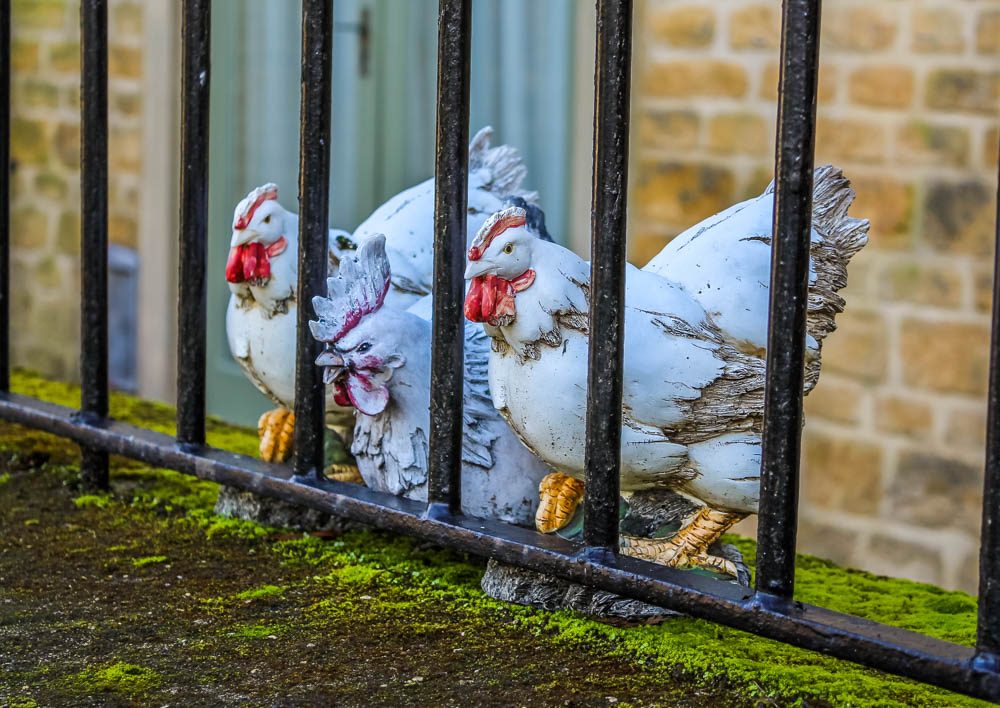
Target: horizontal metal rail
<point x="844" y="636"/>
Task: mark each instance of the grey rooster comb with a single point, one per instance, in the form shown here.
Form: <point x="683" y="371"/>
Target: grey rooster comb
<point x="358" y="290"/>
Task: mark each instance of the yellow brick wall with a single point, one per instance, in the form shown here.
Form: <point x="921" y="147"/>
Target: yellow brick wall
<point x="45" y="156"/>
<point x="908" y="106"/>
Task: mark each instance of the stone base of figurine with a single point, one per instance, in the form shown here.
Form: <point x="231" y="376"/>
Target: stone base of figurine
<point x="648" y="514"/>
<point x="236" y="503"/>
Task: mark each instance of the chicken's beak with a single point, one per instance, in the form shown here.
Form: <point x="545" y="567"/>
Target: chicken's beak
<point x="477" y="268"/>
<point x="333" y="365"/>
<point x="241" y="236"/>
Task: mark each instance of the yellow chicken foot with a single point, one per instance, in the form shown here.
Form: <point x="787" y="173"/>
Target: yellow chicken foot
<point x="276" y="429"/>
<point x="689" y="546"/>
<point x="558" y="497"/>
<point x="344" y="473"/>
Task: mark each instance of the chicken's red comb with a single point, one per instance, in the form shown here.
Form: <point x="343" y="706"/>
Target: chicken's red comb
<point x="253" y="200"/>
<point x="509" y="218"/>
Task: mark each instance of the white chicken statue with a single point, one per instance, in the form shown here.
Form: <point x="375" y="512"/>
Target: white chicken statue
<point x="377" y="355"/>
<point x="695" y="338"/>
<point x="262" y="271"/>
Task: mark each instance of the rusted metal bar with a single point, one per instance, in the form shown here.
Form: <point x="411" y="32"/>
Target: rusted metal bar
<point x="786" y="335"/>
<point x="94" y="232"/>
<point x="988" y="637"/>
<point x="193" y="237"/>
<point x="5" y="195"/>
<point x="314" y="208"/>
<point x="451" y="182"/>
<point x="607" y="274"/>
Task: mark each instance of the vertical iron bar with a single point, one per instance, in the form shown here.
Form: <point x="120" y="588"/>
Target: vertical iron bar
<point x="94" y="231"/>
<point x="988" y="638"/>
<point x="314" y="206"/>
<point x="450" y="198"/>
<point x="793" y="193"/>
<point x="607" y="273"/>
<point x="5" y="195"/>
<point x="193" y="239"/>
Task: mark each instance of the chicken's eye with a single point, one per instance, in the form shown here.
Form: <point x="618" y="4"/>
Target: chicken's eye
<point x="509" y="248"/>
<point x="363" y="347"/>
<point x="267" y="219"/>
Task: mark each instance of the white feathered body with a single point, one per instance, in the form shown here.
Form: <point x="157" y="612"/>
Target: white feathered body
<point x="695" y="332"/>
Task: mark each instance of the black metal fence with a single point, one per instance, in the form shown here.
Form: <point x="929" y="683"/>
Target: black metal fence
<point x="769" y="610"/>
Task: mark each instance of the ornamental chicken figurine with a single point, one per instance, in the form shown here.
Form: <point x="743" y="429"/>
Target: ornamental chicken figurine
<point x="262" y="271"/>
<point x="695" y="338"/>
<point x="377" y="356"/>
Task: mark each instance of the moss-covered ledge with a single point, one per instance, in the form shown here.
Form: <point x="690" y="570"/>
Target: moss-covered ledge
<point x="144" y="596"/>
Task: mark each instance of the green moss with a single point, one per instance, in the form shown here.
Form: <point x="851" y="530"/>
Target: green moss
<point x="4" y="478"/>
<point x="96" y="500"/>
<point x="387" y="579"/>
<point x="260" y="631"/>
<point x="258" y="593"/>
<point x="148" y="560"/>
<point x="128" y="679"/>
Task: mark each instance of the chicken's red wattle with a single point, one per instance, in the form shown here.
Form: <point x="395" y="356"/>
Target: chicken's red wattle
<point x="252" y="261"/>
<point x="491" y="298"/>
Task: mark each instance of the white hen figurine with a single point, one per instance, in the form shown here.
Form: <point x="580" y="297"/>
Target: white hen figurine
<point x="378" y="356"/>
<point x="695" y="337"/>
<point x="262" y="271"/>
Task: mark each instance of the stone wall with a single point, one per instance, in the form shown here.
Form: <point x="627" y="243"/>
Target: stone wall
<point x="45" y="156"/>
<point x="908" y="105"/>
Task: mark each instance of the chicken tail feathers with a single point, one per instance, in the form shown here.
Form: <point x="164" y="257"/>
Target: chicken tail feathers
<point x="836" y="239"/>
<point x="504" y="165"/>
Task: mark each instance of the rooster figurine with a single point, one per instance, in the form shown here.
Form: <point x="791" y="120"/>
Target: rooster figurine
<point x="262" y="271"/>
<point x="377" y="356"/>
<point x="695" y="338"/>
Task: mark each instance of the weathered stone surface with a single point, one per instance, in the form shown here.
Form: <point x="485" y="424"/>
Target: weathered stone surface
<point x="830" y="542"/>
<point x="28" y="228"/>
<point x="861" y="28"/>
<point x="745" y="133"/>
<point x="127" y="18"/>
<point x="124" y="62"/>
<point x="882" y="86"/>
<point x="967" y="428"/>
<point x="37" y="93"/>
<point x="684" y="26"/>
<point x="842" y="473"/>
<point x="64" y="57"/>
<point x="938" y="29"/>
<point x="668" y="129"/>
<point x="963" y="90"/>
<point x="920" y="283"/>
<point x="27" y="141"/>
<point x="681" y="194"/>
<point x="68" y="235"/>
<point x="936" y="491"/>
<point x="689" y="78"/>
<point x="51" y="185"/>
<point x="236" y="503"/>
<point x="23" y="55"/>
<point x="945" y="356"/>
<point x="898" y="557"/>
<point x="988" y="32"/>
<point x="124" y="231"/>
<point x="38" y="14"/>
<point x="959" y="217"/>
<point x="67" y="145"/>
<point x="894" y="414"/>
<point x="755" y="27"/>
<point x="922" y="143"/>
<point x="888" y="204"/>
<point x="837" y="401"/>
<point x="838" y="140"/>
<point x="858" y="347"/>
<point x="125" y="150"/>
